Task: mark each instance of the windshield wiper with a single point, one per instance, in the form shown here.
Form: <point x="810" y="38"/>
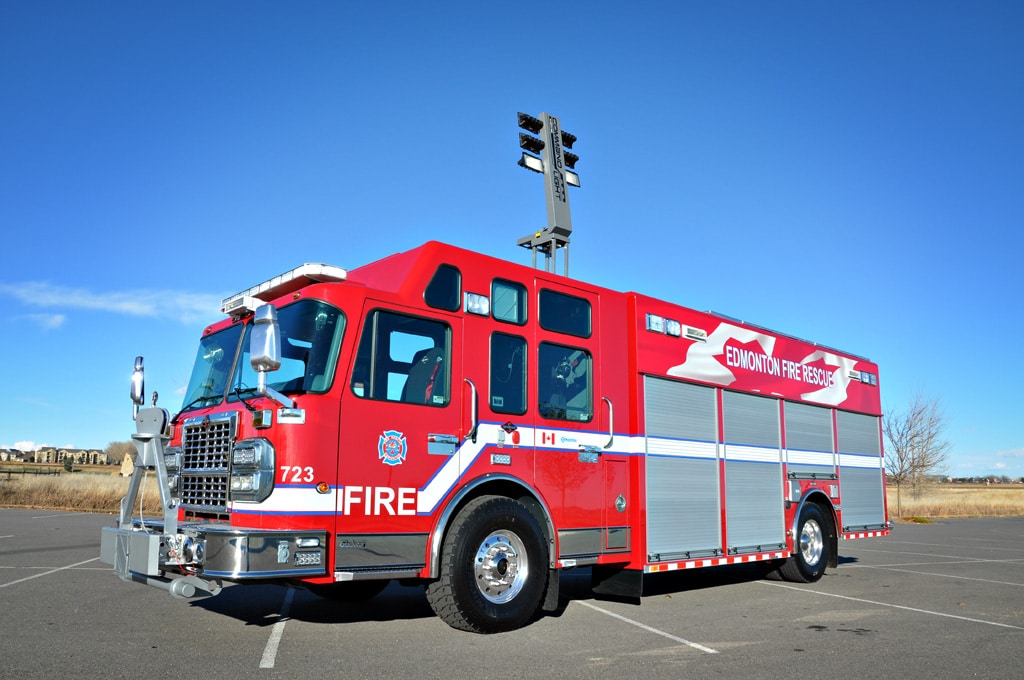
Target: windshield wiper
<point x="174" y="420"/>
<point x="238" y="393"/>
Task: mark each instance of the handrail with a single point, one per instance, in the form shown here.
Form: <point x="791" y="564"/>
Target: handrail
<point x="611" y="422"/>
<point x="471" y="435"/>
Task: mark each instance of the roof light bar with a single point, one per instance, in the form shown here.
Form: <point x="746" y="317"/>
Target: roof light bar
<point x="248" y="300"/>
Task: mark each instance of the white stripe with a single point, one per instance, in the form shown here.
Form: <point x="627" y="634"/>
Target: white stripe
<point x="453" y="468"/>
<point x="292" y="500"/>
<point x="893" y="606"/>
<point x="643" y="626"/>
<point x="810" y="457"/>
<point x="751" y="454"/>
<point x="467" y="454"/>
<point x="853" y="460"/>
<point x="270" y="651"/>
<point x="47" y="573"/>
<point x="930" y="573"/>
<point x="677" y="447"/>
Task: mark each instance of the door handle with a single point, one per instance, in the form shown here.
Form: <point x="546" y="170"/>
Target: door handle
<point x="611" y="422"/>
<point x="442" y="444"/>
<point x="589" y="454"/>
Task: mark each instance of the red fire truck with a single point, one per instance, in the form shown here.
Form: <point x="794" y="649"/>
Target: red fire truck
<point x="448" y="418"/>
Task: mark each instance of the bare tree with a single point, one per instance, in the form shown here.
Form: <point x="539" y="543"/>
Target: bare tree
<point x="116" y="451"/>
<point x="915" y="447"/>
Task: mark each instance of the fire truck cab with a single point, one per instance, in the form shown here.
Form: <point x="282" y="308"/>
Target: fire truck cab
<point x="449" y="418"/>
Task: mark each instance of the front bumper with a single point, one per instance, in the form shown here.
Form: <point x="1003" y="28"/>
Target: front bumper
<point x="208" y="552"/>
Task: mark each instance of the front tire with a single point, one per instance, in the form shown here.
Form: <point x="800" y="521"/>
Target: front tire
<point x="811" y="552"/>
<point x="493" y="567"/>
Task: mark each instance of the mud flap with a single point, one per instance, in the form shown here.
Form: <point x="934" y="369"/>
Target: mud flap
<point x="617" y="582"/>
<point x="550" y="601"/>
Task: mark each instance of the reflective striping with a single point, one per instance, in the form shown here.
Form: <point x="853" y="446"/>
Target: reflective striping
<point x="865" y="534"/>
<point x="658" y="446"/>
<point x="292" y="500"/>
<point x="810" y="458"/>
<point x="447" y="476"/>
<point x="452" y="470"/>
<point x="715" y="562"/>
<point x="855" y="460"/>
<point x="750" y="454"/>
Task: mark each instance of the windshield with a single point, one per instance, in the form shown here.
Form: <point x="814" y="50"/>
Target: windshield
<point x="212" y="369"/>
<point x="311" y="333"/>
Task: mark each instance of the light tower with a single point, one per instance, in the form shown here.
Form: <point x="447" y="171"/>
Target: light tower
<point x="556" y="164"/>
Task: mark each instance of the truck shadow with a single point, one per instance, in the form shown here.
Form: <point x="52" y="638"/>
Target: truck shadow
<point x="263" y="605"/>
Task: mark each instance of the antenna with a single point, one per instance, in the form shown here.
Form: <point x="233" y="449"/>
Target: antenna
<point x="557" y="165"/>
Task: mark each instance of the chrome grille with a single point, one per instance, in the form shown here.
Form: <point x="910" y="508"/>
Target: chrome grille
<point x="204" y="492"/>
<point x="206" y="460"/>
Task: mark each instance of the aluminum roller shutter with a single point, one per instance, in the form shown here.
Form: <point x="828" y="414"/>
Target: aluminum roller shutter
<point x="753" y="472"/>
<point x="683" y="518"/>
<point x="862" y="489"/>
<point x="809" y="441"/>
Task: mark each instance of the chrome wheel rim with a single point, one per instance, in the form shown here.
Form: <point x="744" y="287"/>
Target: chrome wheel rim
<point x="501" y="567"/>
<point x="812" y="542"/>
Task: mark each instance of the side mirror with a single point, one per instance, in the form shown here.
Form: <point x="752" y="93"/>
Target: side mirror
<point x="138" y="391"/>
<point x="265" y="351"/>
<point x="265" y="341"/>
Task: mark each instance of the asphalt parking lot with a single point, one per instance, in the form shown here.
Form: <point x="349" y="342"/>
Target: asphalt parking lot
<point x="943" y="600"/>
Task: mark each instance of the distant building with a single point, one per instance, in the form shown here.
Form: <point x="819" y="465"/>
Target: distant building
<point x="51" y="454"/>
<point x="14" y="456"/>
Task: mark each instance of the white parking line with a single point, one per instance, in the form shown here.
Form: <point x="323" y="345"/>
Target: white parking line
<point x="960" y="578"/>
<point x="47" y="573"/>
<point x="662" y="633"/>
<point x="945" y="557"/>
<point x="932" y="563"/>
<point x="892" y="606"/>
<point x="63" y="514"/>
<point x="973" y="547"/>
<point x="270" y="651"/>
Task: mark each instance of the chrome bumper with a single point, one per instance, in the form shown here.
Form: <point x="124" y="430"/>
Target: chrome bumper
<point x="209" y="552"/>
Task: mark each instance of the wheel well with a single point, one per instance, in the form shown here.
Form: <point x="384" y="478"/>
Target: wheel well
<point x="823" y="503"/>
<point x="492" y="486"/>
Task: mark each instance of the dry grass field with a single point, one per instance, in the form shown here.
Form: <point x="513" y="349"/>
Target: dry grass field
<point x="938" y="501"/>
<point x="99" y="489"/>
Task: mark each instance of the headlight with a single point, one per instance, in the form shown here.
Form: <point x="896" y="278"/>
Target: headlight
<point x="243" y="482"/>
<point x="252" y="470"/>
<point x="172" y="458"/>
<point x="253" y="453"/>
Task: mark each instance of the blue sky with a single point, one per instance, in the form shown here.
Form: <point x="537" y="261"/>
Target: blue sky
<point x="845" y="172"/>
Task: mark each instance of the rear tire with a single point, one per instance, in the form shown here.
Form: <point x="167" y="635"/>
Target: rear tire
<point x="493" y="567"/>
<point x="810" y="554"/>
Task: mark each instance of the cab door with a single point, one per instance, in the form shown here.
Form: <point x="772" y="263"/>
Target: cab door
<point x="401" y="426"/>
<point x="572" y="419"/>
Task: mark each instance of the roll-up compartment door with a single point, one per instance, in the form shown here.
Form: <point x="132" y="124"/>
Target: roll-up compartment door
<point x="683" y="517"/>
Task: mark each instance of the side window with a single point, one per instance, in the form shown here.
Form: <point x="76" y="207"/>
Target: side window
<point x="445" y="289"/>
<point x="508" y="301"/>
<point x="508" y="374"/>
<point x="403" y="358"/>
<point x="564" y="382"/>
<point x="564" y="313"/>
